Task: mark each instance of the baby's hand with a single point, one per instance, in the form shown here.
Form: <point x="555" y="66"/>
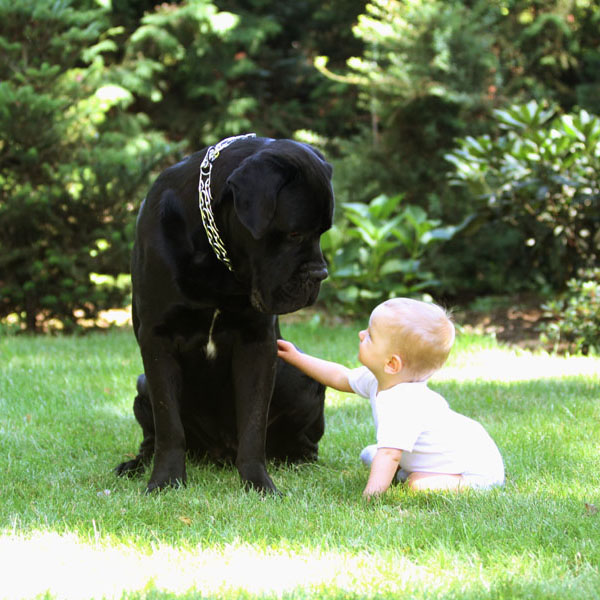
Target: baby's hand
<point x="286" y="350"/>
<point x="328" y="373"/>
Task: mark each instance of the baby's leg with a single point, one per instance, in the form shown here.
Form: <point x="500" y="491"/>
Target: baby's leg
<point x="434" y="481"/>
<point x="368" y="454"/>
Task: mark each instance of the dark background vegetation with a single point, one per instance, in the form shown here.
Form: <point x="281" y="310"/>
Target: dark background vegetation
<point x="462" y="134"/>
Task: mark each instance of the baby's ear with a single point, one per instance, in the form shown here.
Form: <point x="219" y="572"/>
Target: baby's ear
<point x="394" y="365"/>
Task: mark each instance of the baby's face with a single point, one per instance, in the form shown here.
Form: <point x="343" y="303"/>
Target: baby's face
<point x="373" y="347"/>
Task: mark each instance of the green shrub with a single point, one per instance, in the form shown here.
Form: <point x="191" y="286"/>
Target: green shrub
<point x="375" y="252"/>
<point x="73" y="164"/>
<point x="542" y="177"/>
<point x="575" y="318"/>
<point x="433" y="71"/>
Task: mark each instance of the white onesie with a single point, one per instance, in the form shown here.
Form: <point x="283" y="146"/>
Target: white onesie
<point x="433" y="438"/>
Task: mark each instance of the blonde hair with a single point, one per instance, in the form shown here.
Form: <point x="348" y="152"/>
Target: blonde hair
<point x="421" y="333"/>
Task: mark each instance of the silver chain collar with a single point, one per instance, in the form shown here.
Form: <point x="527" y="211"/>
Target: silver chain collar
<point x="208" y="219"/>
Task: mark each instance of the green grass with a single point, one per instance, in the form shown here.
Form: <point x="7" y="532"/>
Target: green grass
<point x="71" y="529"/>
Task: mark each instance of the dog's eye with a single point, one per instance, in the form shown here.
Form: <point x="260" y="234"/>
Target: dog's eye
<point x="295" y="237"/>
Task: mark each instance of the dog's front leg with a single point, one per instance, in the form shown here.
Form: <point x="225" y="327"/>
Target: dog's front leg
<point x="163" y="375"/>
<point x="254" y="367"/>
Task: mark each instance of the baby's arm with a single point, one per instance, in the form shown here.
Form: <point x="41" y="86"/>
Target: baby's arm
<point x="383" y="470"/>
<point x="328" y="373"/>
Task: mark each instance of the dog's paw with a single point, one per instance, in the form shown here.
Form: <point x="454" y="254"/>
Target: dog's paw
<point x="265" y="489"/>
<point x="167" y="474"/>
<point x="130" y="468"/>
<point x="157" y="485"/>
<point x="255" y="477"/>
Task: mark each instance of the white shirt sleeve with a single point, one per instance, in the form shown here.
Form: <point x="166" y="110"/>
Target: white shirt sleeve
<point x="363" y="382"/>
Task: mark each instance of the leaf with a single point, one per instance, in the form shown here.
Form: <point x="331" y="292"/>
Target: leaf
<point x="89" y="54"/>
<point x="415" y="215"/>
<point x="570" y="127"/>
<point x="366" y="230"/>
<point x="383" y="206"/>
<point x="369" y="294"/>
<point x="388" y="227"/>
<point x="185" y="520"/>
<point x="349" y="294"/>
<point x="477" y="146"/>
<point x="349" y="271"/>
<point x="396" y="265"/>
<point x="439" y="234"/>
<point x="535" y="114"/>
<point x="403" y="237"/>
<point x="506" y="118"/>
<point x="356" y="208"/>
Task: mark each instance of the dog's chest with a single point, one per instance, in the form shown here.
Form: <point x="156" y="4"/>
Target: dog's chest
<point x="201" y="333"/>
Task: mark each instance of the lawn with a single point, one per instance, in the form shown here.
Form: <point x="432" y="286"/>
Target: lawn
<point x="71" y="529"/>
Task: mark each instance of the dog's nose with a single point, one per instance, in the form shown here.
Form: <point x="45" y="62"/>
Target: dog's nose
<point x="319" y="273"/>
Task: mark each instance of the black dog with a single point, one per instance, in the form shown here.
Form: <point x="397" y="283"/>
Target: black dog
<point x="207" y="285"/>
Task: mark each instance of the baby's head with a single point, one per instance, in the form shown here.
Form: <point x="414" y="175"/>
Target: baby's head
<point x="420" y="333"/>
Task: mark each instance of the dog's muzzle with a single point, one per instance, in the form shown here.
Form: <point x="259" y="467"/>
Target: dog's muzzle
<point x="297" y="292"/>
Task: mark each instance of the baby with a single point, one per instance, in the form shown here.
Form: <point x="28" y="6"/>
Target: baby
<point x="420" y="440"/>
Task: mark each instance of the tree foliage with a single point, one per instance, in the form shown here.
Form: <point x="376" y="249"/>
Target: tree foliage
<point x="424" y="73"/>
<point x="542" y="177"/>
<point x="95" y="95"/>
<point x="72" y="163"/>
<point x="434" y="70"/>
<point x="206" y="70"/>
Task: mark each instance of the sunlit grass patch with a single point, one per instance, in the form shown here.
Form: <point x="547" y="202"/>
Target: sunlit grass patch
<point x="71" y="529"/>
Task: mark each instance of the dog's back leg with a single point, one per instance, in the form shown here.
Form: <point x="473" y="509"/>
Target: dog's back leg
<point x="142" y="409"/>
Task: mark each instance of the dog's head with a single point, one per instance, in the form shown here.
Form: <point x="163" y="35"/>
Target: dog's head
<point x="283" y="202"/>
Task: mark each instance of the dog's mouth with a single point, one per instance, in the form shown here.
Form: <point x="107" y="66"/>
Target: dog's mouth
<point x="294" y="294"/>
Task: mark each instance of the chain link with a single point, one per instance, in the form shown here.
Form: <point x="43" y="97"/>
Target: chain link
<point x="208" y="219"/>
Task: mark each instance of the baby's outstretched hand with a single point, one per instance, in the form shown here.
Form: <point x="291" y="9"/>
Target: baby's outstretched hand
<point x="286" y="350"/>
<point x="328" y="373"/>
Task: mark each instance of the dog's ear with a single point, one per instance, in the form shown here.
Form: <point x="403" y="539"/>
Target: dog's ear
<point x="255" y="185"/>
